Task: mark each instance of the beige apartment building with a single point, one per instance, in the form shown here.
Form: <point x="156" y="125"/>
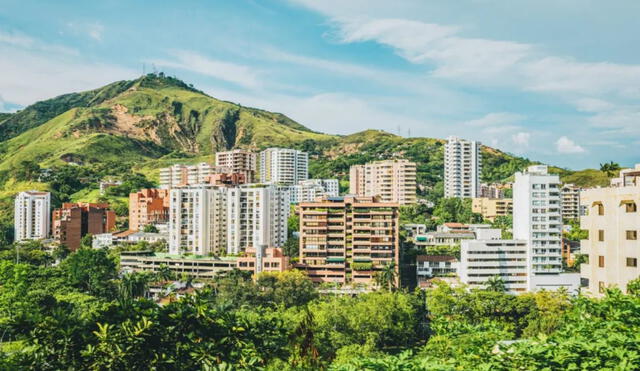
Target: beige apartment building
<point x="613" y="220"/>
<point x="491" y="208"/>
<point x="391" y="180"/>
<point x="239" y="161"/>
<point x="348" y="239"/>
<point x="570" y="201"/>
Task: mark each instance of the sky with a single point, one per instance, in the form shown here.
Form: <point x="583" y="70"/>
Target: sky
<point x="556" y="81"/>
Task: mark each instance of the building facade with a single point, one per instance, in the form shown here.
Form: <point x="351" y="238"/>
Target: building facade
<point x="257" y="216"/>
<point x="430" y="266"/>
<point x="239" y="161"/>
<point x="462" y="166"/>
<point x="310" y="189"/>
<point x="214" y="220"/>
<point x="613" y="221"/>
<point x="570" y="201"/>
<point x="180" y="175"/>
<point x="348" y="239"/>
<point x="32" y="215"/>
<point x="491" y="208"/>
<point x="263" y="259"/>
<point x="283" y="166"/>
<point x="483" y="259"/>
<point x="73" y="221"/>
<point x="537" y="219"/>
<point x="148" y="207"/>
<point x="391" y="180"/>
<point x="197" y="220"/>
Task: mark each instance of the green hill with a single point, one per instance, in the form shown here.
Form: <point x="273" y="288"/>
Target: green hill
<point x="155" y="121"/>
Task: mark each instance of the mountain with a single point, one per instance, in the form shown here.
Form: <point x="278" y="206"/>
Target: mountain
<point x="139" y="120"/>
<point x="157" y="120"/>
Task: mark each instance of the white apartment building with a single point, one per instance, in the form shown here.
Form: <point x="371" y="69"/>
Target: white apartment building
<point x="537" y="219"/>
<point x="391" y="180"/>
<point x="180" y="175"/>
<point x="462" y="166"/>
<point x="482" y="259"/>
<point x="613" y="222"/>
<point x="310" y="189"/>
<point x="283" y="166"/>
<point x="32" y="215"/>
<point x="570" y="201"/>
<point x="257" y="216"/>
<point x="197" y="220"/>
<point x="238" y="161"/>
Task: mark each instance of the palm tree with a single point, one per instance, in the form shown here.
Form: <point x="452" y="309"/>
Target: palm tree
<point x="610" y="168"/>
<point x="387" y="276"/>
<point x="164" y="273"/>
<point x="496" y="284"/>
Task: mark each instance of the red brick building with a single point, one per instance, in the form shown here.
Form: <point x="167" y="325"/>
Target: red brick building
<point x="73" y="221"/>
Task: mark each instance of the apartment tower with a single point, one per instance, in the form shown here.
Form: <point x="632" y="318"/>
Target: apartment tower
<point x="179" y="175"/>
<point x="73" y="221"/>
<point x="239" y="161"/>
<point x="148" y="206"/>
<point x="613" y="220"/>
<point x="462" y="166"/>
<point x="283" y="165"/>
<point x="570" y="202"/>
<point x="391" y="180"/>
<point x="32" y="215"/>
<point x="348" y="239"/>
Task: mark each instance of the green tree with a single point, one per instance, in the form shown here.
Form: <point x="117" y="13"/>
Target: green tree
<point x="150" y="228"/>
<point x="91" y="270"/>
<point x="496" y="284"/>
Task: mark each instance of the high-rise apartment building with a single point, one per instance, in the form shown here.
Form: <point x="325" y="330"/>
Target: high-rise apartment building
<point x="208" y="219"/>
<point x="197" y="220"/>
<point x="283" y="165"/>
<point x="179" y="175"/>
<point x="391" y="180"/>
<point x="310" y="189"/>
<point x="148" y="206"/>
<point x="570" y="201"/>
<point x="462" y="166"/>
<point x="491" y="208"/>
<point x="348" y="239"/>
<point x="32" y="215"/>
<point x="239" y="161"/>
<point x="612" y="218"/>
<point x="73" y="221"/>
<point x="257" y="216"/>
<point x="537" y="219"/>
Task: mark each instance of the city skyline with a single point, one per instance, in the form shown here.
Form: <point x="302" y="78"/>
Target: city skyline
<point x="538" y="80"/>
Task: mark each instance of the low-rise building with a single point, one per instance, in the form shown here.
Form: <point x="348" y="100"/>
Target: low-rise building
<point x="481" y="260"/>
<point x="430" y="266"/>
<point x="108" y="183"/>
<point x="196" y="266"/>
<point x="613" y="221"/>
<point x="263" y="259"/>
<point x="491" y="208"/>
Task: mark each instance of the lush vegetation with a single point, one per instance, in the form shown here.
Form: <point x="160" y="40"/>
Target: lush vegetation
<point x="81" y="314"/>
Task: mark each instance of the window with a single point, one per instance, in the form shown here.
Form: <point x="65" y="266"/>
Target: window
<point x="632" y="262"/>
<point x="631" y="207"/>
<point x="601" y="235"/>
<point x="632" y="235"/>
<point x="601" y="261"/>
<point x="600" y="209"/>
<point x="601" y="286"/>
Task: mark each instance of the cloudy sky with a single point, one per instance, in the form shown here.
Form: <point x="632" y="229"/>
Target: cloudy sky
<point x="553" y="80"/>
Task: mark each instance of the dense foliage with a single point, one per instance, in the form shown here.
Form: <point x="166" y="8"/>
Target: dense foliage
<point x="80" y="314"/>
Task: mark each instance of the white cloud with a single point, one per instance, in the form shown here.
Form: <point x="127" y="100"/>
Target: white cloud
<point x="92" y="30"/>
<point x="521" y="139"/>
<point x="33" y="70"/>
<point x="568" y="146"/>
<point x="495" y="119"/>
<point x="235" y="73"/>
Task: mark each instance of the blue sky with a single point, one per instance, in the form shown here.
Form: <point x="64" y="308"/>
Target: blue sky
<point x="556" y="81"/>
